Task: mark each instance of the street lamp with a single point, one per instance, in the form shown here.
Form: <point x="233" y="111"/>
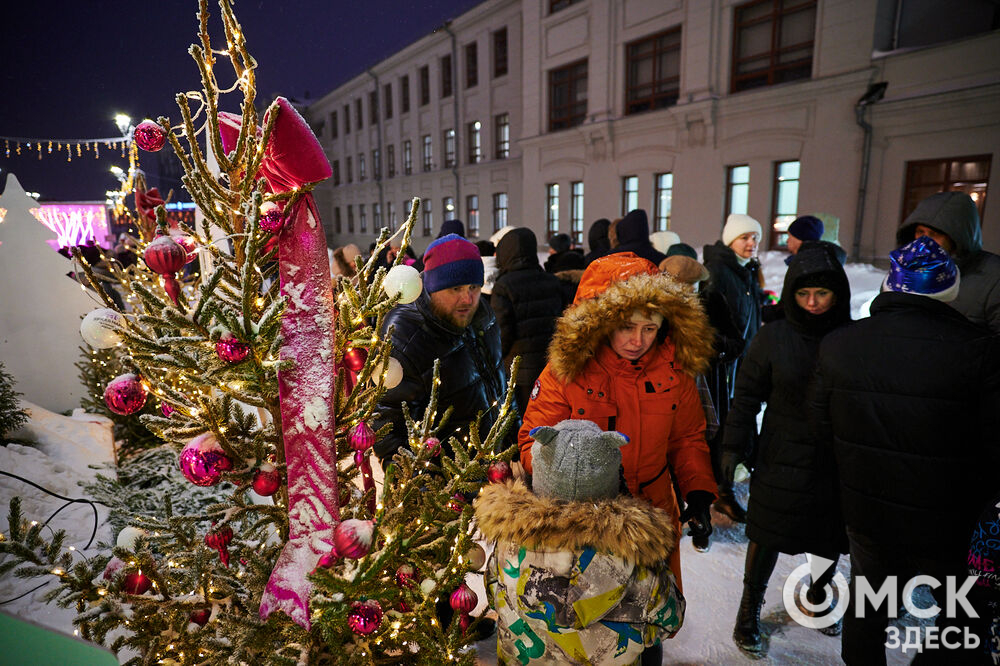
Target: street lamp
<point x="124" y="123"/>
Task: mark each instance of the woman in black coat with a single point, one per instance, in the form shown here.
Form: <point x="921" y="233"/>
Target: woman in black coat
<point x="527" y="301"/>
<point x="793" y="500"/>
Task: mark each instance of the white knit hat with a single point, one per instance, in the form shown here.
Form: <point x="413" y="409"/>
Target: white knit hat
<point x="500" y="233"/>
<point x="662" y="240"/>
<point x="738" y="224"/>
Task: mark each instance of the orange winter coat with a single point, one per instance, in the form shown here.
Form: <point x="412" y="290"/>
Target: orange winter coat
<point x="654" y="400"/>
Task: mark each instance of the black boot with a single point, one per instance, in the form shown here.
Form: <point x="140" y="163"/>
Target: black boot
<point x="746" y="634"/>
<point x="816" y="595"/>
<point x="728" y="506"/>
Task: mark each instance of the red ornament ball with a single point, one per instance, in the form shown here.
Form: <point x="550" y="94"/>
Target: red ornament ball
<point x="361" y="436"/>
<point x="355" y="357"/>
<point x="189" y="245"/>
<point x="136" y="583"/>
<point x="200" y="617"/>
<point x="405" y="575"/>
<point x="270" y="217"/>
<point x="125" y="395"/>
<point x="149" y="136"/>
<point x="456" y="503"/>
<point x="165" y="256"/>
<point x="353" y="538"/>
<point x="266" y="480"/>
<point x="463" y="599"/>
<point x="328" y="560"/>
<point x="203" y="461"/>
<point x="364" y="617"/>
<point x="499" y="472"/>
<point x="166" y="409"/>
<point x="231" y="350"/>
<point x="433" y="446"/>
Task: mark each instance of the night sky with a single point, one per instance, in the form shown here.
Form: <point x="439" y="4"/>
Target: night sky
<point x="68" y="67"/>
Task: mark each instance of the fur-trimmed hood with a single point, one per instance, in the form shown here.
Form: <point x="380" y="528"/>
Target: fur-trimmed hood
<point x="613" y="287"/>
<point x="625" y="527"/>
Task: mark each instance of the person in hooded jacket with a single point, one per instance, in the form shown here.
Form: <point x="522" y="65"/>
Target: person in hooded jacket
<point x="625" y="356"/>
<point x="578" y="573"/>
<point x="952" y="220"/>
<point x="597" y="239"/>
<point x="562" y="256"/>
<point x="733" y="300"/>
<point x="793" y="504"/>
<point x="526" y="301"/>
<point x="632" y="233"/>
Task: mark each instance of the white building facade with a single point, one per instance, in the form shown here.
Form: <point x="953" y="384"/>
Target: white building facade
<point x="554" y="113"/>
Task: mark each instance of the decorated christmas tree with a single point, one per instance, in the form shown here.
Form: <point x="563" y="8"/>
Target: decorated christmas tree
<point x="266" y="375"/>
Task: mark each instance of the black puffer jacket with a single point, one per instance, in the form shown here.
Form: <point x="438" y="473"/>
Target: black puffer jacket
<point x="472" y="374"/>
<point x="794" y="505"/>
<point x="911" y="397"/>
<point x="527" y="301"/>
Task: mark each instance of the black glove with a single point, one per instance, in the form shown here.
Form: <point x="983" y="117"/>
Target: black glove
<point x="698" y="512"/>
<point x="730" y="459"/>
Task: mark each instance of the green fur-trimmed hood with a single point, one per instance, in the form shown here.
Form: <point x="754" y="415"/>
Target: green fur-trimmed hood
<point x="626" y="527"/>
<point x="586" y="325"/>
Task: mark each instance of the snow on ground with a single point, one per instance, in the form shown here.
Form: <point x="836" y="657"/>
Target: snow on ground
<point x="712" y="580"/>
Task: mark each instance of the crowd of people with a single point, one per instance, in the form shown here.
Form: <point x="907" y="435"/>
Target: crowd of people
<point x="642" y="374"/>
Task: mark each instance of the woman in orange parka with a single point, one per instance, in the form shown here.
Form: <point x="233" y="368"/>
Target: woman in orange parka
<point x="624" y="356"/>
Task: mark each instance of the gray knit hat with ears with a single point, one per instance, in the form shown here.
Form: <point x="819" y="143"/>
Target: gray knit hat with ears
<point x="576" y="460"/>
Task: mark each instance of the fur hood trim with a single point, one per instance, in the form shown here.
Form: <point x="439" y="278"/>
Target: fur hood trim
<point x="625" y="527"/>
<point x="586" y="325"/>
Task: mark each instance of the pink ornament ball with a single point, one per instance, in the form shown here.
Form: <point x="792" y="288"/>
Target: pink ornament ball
<point x="189" y="245"/>
<point x="125" y="395"/>
<point x="433" y="446"/>
<point x="164" y="255"/>
<point x="355" y="357"/>
<point x="328" y="560"/>
<point x="166" y="409"/>
<point x="203" y="461"/>
<point x="456" y="503"/>
<point x="136" y="583"/>
<point x="270" y="217"/>
<point x="149" y="136"/>
<point x="361" y="436"/>
<point x="266" y="480"/>
<point x="353" y="538"/>
<point x="364" y="617"/>
<point x="463" y="599"/>
<point x="112" y="568"/>
<point x="405" y="575"/>
<point x="499" y="472"/>
<point x="231" y="350"/>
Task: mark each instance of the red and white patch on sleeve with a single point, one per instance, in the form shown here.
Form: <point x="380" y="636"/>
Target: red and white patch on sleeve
<point x="536" y="389"/>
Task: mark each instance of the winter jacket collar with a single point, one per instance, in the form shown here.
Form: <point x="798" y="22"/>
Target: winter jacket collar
<point x="894" y="301"/>
<point x="625" y="527"/>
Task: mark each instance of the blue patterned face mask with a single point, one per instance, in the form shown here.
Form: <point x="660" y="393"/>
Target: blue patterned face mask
<point x="921" y="267"/>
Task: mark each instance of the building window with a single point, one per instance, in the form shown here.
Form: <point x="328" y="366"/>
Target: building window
<point x="664" y="198"/>
<point x="362" y="219"/>
<point x="737" y="188"/>
<point x="350" y="171"/>
<point x="772" y="42"/>
<point x="350" y="219"/>
<point x="376" y="216"/>
<point x="471" y="65"/>
<point x="337" y="228"/>
<point x="425" y="85"/>
<point x="387" y="96"/>
<point x="576" y="211"/>
<point x="334" y="125"/>
<point x="358" y="120"/>
<point x="390" y="214"/>
<point x="784" y="201"/>
<point x="404" y="94"/>
<point x="630" y="194"/>
<point x="475" y="142"/>
<point x="556" y="5"/>
<point x="361" y="167"/>
<point x="500" y="52"/>
<point x="472" y="215"/>
<point x="499" y="211"/>
<point x="428" y="219"/>
<point x="407" y="158"/>
<point x="449" y="148"/>
<point x="373" y="107"/>
<point x="376" y="165"/>
<point x="347" y="119"/>
<point x="567" y="96"/>
<point x="949" y="174"/>
<point x="390" y="158"/>
<point x="336" y="172"/>
<point x="446" y="76"/>
<point x="448" y="208"/>
<point x="552" y="210"/>
<point x="427" y="154"/>
<point x="501" y="135"/>
<point x="653" y="70"/>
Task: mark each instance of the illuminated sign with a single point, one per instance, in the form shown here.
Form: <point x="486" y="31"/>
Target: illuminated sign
<point x="75" y="224"/>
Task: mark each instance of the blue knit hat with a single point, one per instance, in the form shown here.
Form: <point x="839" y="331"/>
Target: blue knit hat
<point x="923" y="267"/>
<point x="806" y="228"/>
<point x="451" y="261"/>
